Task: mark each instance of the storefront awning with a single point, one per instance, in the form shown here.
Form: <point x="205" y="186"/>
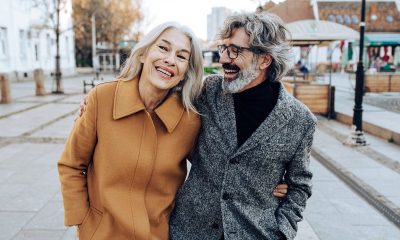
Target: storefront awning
<point x="313" y="32"/>
<point x="382" y="39"/>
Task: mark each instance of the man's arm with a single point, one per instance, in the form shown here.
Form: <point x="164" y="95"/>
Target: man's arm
<point x="74" y="162"/>
<point x="298" y="177"/>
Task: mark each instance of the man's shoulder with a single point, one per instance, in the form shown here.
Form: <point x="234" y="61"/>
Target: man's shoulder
<point x="300" y="110"/>
<point x="213" y="81"/>
<point x="212" y="87"/>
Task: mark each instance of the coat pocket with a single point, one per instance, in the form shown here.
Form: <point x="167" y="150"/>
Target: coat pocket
<point x="90" y="223"/>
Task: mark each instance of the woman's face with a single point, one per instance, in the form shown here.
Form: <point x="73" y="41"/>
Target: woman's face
<point x="166" y="61"/>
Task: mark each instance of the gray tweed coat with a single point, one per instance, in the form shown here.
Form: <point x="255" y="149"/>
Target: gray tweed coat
<point x="229" y="189"/>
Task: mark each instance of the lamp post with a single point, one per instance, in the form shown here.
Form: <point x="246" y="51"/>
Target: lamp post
<point x="357" y="136"/>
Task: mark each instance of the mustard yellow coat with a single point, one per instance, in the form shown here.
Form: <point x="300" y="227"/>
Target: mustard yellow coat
<point x="122" y="166"/>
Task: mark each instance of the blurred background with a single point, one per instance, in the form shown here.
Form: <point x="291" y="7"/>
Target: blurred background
<point x="346" y="70"/>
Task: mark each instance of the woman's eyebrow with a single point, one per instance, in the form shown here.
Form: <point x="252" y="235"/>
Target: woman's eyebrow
<point x="169" y="43"/>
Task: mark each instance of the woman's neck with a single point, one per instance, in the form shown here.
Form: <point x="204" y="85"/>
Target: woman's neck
<point x="150" y="96"/>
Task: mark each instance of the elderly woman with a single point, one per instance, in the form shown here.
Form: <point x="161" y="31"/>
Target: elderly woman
<point x="125" y="157"/>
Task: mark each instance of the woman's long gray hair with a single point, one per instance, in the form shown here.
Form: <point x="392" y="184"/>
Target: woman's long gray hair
<point x="267" y="35"/>
<point x="190" y="88"/>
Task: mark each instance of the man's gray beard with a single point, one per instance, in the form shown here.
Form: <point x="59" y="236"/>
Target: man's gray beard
<point x="244" y="78"/>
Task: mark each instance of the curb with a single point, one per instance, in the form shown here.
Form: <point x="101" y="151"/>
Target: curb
<point x="370" y="128"/>
<point x="377" y="200"/>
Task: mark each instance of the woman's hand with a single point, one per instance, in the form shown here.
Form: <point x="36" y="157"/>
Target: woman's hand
<point x="82" y="108"/>
<point x="280" y="191"/>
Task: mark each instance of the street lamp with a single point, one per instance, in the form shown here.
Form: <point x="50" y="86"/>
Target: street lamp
<point x="356" y="137"/>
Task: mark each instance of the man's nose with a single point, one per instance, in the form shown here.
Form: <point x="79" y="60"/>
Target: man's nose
<point x="224" y="57"/>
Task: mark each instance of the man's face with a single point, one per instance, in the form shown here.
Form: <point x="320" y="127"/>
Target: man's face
<point x="241" y="68"/>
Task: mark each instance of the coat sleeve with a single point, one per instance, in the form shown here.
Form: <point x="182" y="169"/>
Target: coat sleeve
<point x="74" y="162"/>
<point x="298" y="177"/>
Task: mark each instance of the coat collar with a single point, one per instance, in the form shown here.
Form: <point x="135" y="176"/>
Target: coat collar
<point x="276" y="120"/>
<point x="127" y="101"/>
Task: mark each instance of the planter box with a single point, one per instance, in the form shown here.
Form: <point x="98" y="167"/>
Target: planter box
<point x="314" y="96"/>
<point x="382" y="82"/>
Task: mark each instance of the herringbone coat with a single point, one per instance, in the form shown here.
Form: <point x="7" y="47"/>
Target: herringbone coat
<point x="229" y="189"/>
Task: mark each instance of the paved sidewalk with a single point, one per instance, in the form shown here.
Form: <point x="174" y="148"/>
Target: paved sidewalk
<point x="33" y="132"/>
<point x="372" y="171"/>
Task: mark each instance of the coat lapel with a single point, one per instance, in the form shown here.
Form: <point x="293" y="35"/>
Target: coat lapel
<point x="226" y="115"/>
<point x="278" y="118"/>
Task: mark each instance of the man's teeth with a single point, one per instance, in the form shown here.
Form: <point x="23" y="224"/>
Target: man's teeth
<point x="163" y="71"/>
<point x="230" y="71"/>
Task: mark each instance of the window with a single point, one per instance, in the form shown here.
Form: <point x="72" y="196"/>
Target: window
<point x="36" y="52"/>
<point x="22" y="44"/>
<point x="48" y="45"/>
<point x="339" y="19"/>
<point x="67" y="47"/>
<point x="389" y="19"/>
<point x="354" y="19"/>
<point x="331" y="18"/>
<point x="347" y="19"/>
<point x="3" y="42"/>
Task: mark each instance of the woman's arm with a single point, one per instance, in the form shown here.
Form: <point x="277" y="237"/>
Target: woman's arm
<point x="74" y="162"/>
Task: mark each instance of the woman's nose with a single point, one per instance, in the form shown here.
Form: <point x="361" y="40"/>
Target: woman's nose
<point x="169" y="59"/>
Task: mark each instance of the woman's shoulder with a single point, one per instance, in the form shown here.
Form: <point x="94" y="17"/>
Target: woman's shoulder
<point x="107" y="86"/>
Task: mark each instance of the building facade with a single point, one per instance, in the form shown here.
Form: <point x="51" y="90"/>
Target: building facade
<point x="27" y="44"/>
<point x="380" y="16"/>
<point x="215" y="21"/>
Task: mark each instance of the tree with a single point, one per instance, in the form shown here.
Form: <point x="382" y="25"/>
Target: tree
<point x="114" y="20"/>
<point x="50" y="19"/>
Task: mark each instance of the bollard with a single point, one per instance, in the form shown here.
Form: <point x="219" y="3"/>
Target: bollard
<point x="38" y="76"/>
<point x="5" y="90"/>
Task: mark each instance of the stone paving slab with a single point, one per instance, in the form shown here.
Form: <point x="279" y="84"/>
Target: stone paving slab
<point x="378" y="144"/>
<point x="17" y="125"/>
<point x="6" y="109"/>
<point x="376" y="120"/>
<point x="59" y="129"/>
<point x="381" y="178"/>
<point x="335" y="212"/>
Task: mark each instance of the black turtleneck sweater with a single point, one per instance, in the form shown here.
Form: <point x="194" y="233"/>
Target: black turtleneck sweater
<point x="252" y="107"/>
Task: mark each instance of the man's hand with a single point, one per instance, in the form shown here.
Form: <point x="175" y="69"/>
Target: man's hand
<point x="281" y="190"/>
<point x="82" y="108"/>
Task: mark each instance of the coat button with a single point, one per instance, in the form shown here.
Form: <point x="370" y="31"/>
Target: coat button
<point x="215" y="226"/>
<point x="225" y="196"/>
<point x="234" y="161"/>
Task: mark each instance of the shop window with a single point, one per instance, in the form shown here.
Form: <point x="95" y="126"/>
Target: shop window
<point x="339" y="19"/>
<point x="331" y="18"/>
<point x="389" y="19"/>
<point x="347" y="19"/>
<point x="354" y="19"/>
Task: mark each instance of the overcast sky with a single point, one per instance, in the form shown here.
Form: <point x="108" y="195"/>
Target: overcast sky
<point x="192" y="13"/>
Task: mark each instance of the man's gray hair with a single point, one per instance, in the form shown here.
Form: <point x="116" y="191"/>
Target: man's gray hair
<point x="267" y="35"/>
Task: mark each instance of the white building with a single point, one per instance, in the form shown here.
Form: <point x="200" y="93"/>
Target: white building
<point x="25" y="46"/>
<point x="215" y="21"/>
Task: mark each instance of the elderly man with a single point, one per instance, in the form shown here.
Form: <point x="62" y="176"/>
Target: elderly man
<point x="253" y="134"/>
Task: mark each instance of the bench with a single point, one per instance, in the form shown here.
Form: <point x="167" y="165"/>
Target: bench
<point x="96" y="80"/>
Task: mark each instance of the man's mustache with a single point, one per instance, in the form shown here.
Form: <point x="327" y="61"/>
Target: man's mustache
<point x="228" y="66"/>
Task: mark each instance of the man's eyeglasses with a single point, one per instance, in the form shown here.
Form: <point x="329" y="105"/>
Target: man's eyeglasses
<point x="233" y="50"/>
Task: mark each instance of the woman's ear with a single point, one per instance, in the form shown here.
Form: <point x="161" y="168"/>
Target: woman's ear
<point x="141" y="58"/>
<point x="266" y="60"/>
